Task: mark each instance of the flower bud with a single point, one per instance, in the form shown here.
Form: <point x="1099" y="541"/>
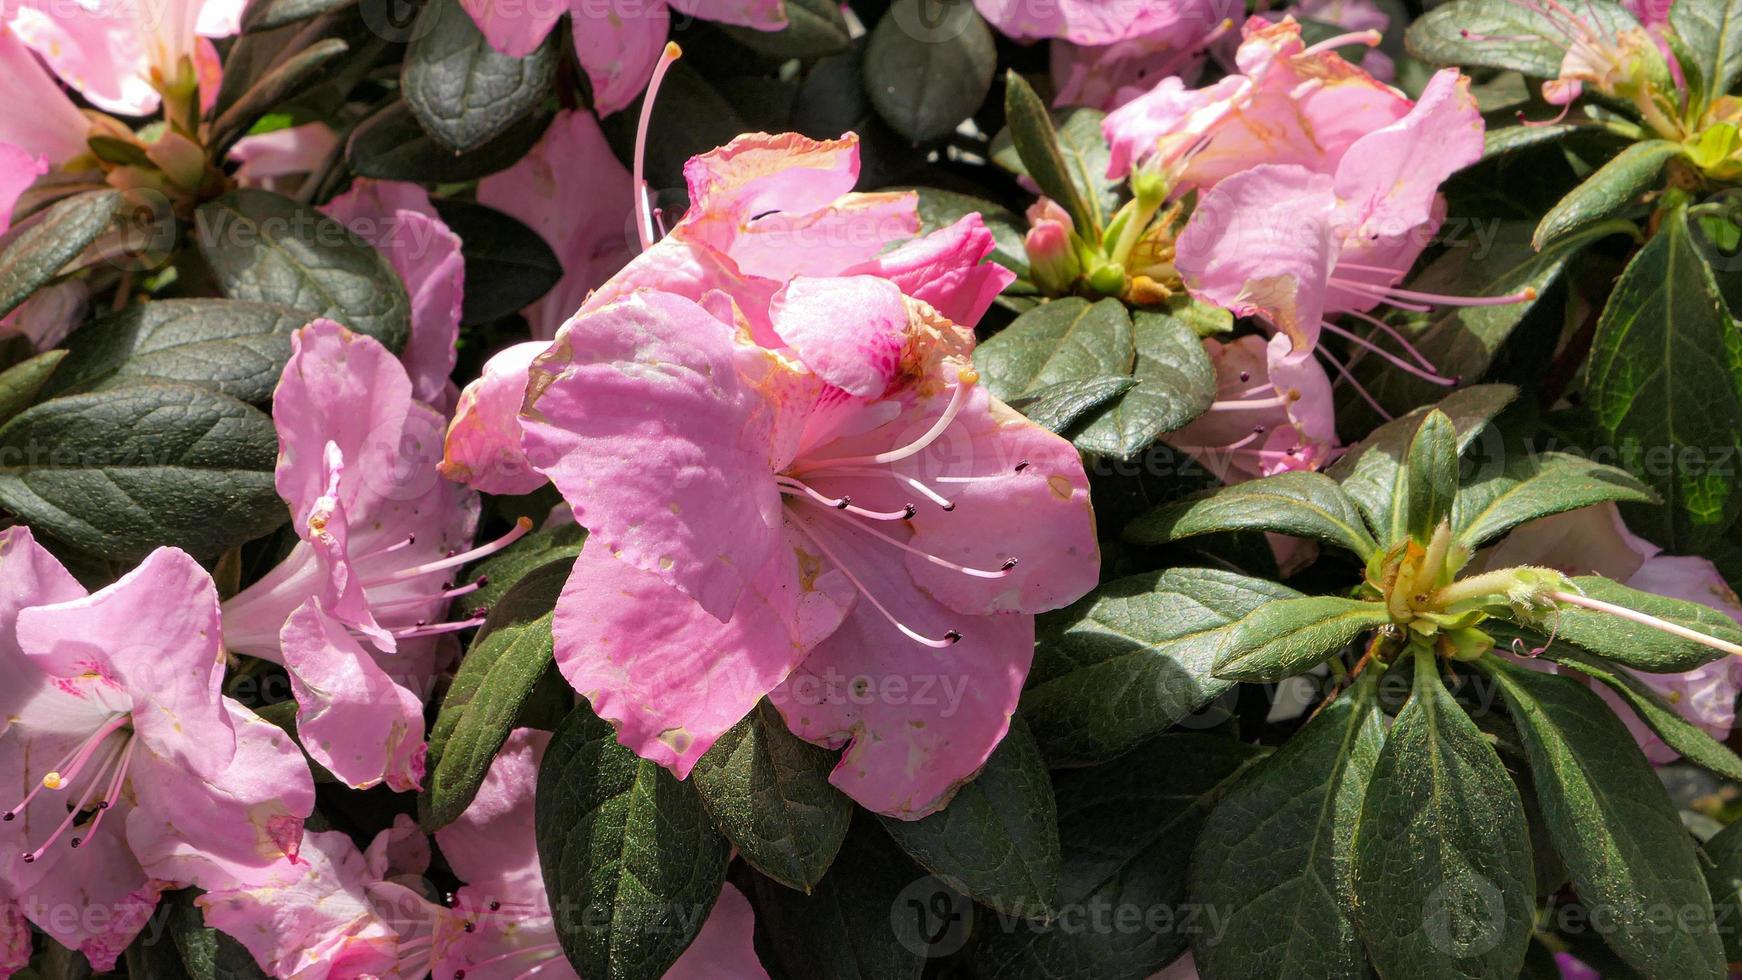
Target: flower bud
<point x="1052" y="259"/>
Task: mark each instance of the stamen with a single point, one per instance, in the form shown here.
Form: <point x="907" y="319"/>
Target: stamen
<point x="1393" y="293"/>
<point x="1645" y="619"/>
<point x="521" y="527"/>
<point x="67" y="769"/>
<point x="1393" y="359"/>
<point x="446" y="594"/>
<point x="1368" y="38"/>
<point x="402" y="543"/>
<point x="84" y="801"/>
<point x="792" y="486"/>
<point x="928" y="556"/>
<point x="917" y="485"/>
<point x="1397" y="335"/>
<point x="1366" y="396"/>
<point x="1234" y="446"/>
<point x="949" y="637"/>
<point x="1555" y="120"/>
<point x="958" y="397"/>
<point x="1249" y="404"/>
<point x="550" y="948"/>
<point x="643" y="217"/>
<point x="112" y="795"/>
<point x="437" y="629"/>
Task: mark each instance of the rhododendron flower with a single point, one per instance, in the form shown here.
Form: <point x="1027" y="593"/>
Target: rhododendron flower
<point x="571" y="189"/>
<point x="1351" y="15"/>
<point x="267" y="159"/>
<point x="121" y="54"/>
<point x="1594" y="540"/>
<point x="854" y="498"/>
<point x="398" y="219"/>
<point x="1272" y="414"/>
<point x="510" y="931"/>
<point x="618" y="42"/>
<point x="382" y="534"/>
<point x="50" y="133"/>
<point x="1290" y="104"/>
<point x="131" y="770"/>
<point x="338" y="913"/>
<point x="1105" y="61"/>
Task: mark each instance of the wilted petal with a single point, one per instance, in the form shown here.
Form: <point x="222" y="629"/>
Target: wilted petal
<point x="296" y="150"/>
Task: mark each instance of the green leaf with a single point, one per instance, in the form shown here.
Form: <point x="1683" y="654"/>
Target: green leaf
<point x="939" y="208"/>
<point x="1443" y="880"/>
<point x="1290" y="636"/>
<point x="1724" y="880"/>
<point x="206" y="954"/>
<point x="507" y="567"/>
<point x="504" y="662"/>
<point x="1059" y="406"/>
<point x="1126" y="831"/>
<point x="845" y="929"/>
<point x="632" y="864"/>
<point x="997" y="841"/>
<point x="1532" y="486"/>
<point x="285" y="80"/>
<point x="1665" y="384"/>
<point x="463" y="91"/>
<point x="1430" y="479"/>
<point x="22" y="382"/>
<point x="33" y="252"/>
<point x="392" y="145"/>
<point x="267" y="248"/>
<point x="1175" y="385"/>
<point x="1275" y="854"/>
<point x="233" y="347"/>
<point x="1371" y="471"/>
<point x="1502" y="34"/>
<point x="118" y="473"/>
<point x="769" y="793"/>
<point x="264" y="15"/>
<point x="1304" y="504"/>
<point x="1501" y="140"/>
<point x="814" y="29"/>
<point x="928" y="66"/>
<point x="1710" y="29"/>
<point x="1604" y="194"/>
<point x="1132" y="659"/>
<point x="1037" y="145"/>
<point x="1065" y="340"/>
<point x="508" y="265"/>
<point x="1680" y="734"/>
<point x="1614" y="826"/>
<point x="1633" y="644"/>
<point x="1085" y="151"/>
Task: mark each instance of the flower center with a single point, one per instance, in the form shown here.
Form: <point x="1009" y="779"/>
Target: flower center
<point x="99" y="762"/>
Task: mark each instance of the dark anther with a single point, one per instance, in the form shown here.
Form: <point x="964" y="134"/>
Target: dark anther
<point x="953" y="636"/>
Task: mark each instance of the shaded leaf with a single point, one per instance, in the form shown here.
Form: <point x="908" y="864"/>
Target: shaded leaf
<point x="1680" y="734"/>
<point x="508" y="265"/>
<point x="1611" y="188"/>
<point x="1290" y="636"/>
<point x="928" y="66"/>
<point x="230" y="346"/>
<point x="1037" y="145"/>
<point x="391" y="145"/>
<point x="1633" y="644"/>
<point x="1304" y="504"/>
<point x="1175" y="385"/>
<point x="1533" y="486"/>
<point x="22" y="382"/>
<point x="463" y="91"/>
<point x="33" y="252"/>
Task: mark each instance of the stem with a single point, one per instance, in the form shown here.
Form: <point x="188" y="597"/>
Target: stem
<point x="1646" y="619"/>
<point x="1145" y="206"/>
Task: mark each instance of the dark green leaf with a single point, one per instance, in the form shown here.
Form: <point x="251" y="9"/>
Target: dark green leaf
<point x="1064" y="340"/>
<point x="1304" y="504"/>
<point x="1605" y="193"/>
<point x="1501" y="140"/>
<point x="928" y="66"/>
<point x="264" y="15"/>
<point x="1175" y="385"/>
<point x="504" y="569"/>
<point x="632" y="864"/>
<point x="1710" y="29"/>
<point x="769" y="793"/>
<point x="504" y="662"/>
<point x="1614" y="826"/>
<point x="1680" y="734"/>
<point x="1085" y="152"/>
<point x="814" y="28"/>
<point x="1275" y="854"/>
<point x="121" y="472"/>
<point x="1635" y="645"/>
<point x="1724" y="880"/>
<point x="34" y="251"/>
<point x="1430" y="479"/>
<point x="1126" y="832"/>
<point x="508" y="265"/>
<point x="1290" y="636"/>
<point x="269" y="249"/>
<point x="206" y="954"/>
<point x="1132" y="659"/>
<point x="234" y="347"/>
<point x="1442" y="865"/>
<point x="1059" y="406"/>
<point x="1037" y="145"/>
<point x="1502" y="34"/>
<point x="1665" y="384"/>
<point x="391" y="145"/>
<point x="282" y="82"/>
<point x="1533" y="486"/>
<point x="997" y="841"/>
<point x="22" y="382"/>
<point x="463" y="91"/>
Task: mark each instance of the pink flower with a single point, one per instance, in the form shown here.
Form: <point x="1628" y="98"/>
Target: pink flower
<point x="382" y="533"/>
<point x="571" y="190"/>
<point x="399" y="220"/>
<point x="267" y="159"/>
<point x="509" y="930"/>
<point x="854" y="498"/>
<point x="131" y="770"/>
<point x="51" y="133"/>
<point x="1271" y="414"/>
<point x="1595" y="541"/>
<point x="617" y="41"/>
<point x="1290" y="104"/>
<point x="14" y="938"/>
<point x="117" y="52"/>
<point x="339" y="913"/>
<point x="1108" y="74"/>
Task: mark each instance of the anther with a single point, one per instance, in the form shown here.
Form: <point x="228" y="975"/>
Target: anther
<point x="909" y="511"/>
<point x="844" y="502"/>
<point x="953" y="636"/>
<point x="1022" y="466"/>
<point x="1009" y="563"/>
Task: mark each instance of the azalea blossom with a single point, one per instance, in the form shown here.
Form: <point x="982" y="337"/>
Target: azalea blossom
<point x="129" y="769"/>
<point x="268" y="160"/>
<point x="354" y="612"/>
<point x="853" y="497"/>
<point x="338" y="913"/>
<point x="1272" y="414"/>
<point x="123" y="54"/>
<point x="52" y="133"/>
<point x="1107" y="65"/>
<point x="1595" y="541"/>
<point x="509" y="931"/>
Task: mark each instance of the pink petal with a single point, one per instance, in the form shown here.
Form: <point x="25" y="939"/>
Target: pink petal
<point x="947" y="269"/>
<point x="156" y="631"/>
<point x="50" y="314"/>
<point x="54" y="128"/>
<point x="19" y="168"/>
<point x="491" y="847"/>
<point x="1167" y="121"/>
<point x="1090" y="21"/>
<point x="14" y="938"/>
<point x="29" y="576"/>
<point x="618" y="42"/>
<point x="101" y="49"/>
<point x="642" y="418"/>
<point x="757" y="174"/>
<point x="1586" y="541"/>
<point x="398" y="219"/>
<point x="293" y="151"/>
<point x="571" y="190"/>
<point x="514" y="27"/>
<point x="1261" y="243"/>
<point x="726" y="947"/>
<point x="401" y="849"/>
<point x="849" y="330"/>
<point x="918" y="722"/>
<point x="483" y="445"/>
<point x="352" y="718"/>
<point x="1302" y="381"/>
<point x="97" y="900"/>
<point x="669" y="676"/>
<point x="821" y="242"/>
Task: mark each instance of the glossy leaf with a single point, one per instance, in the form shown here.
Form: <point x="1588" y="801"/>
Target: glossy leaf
<point x="1430" y="479"/>
<point x="21" y="383"/>
<point x="1037" y="145"/>
<point x="392" y="145"/>
<point x="1058" y="407"/>
<point x="230" y="346"/>
<point x="1533" y="486"/>
<point x="1175" y="384"/>
<point x="508" y="265"/>
<point x="1304" y="504"/>
<point x="463" y="91"/>
<point x="1611" y="188"/>
<point x="928" y="66"/>
<point x="1284" y="638"/>
<point x="1064" y="340"/>
<point x="34" y="251"/>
